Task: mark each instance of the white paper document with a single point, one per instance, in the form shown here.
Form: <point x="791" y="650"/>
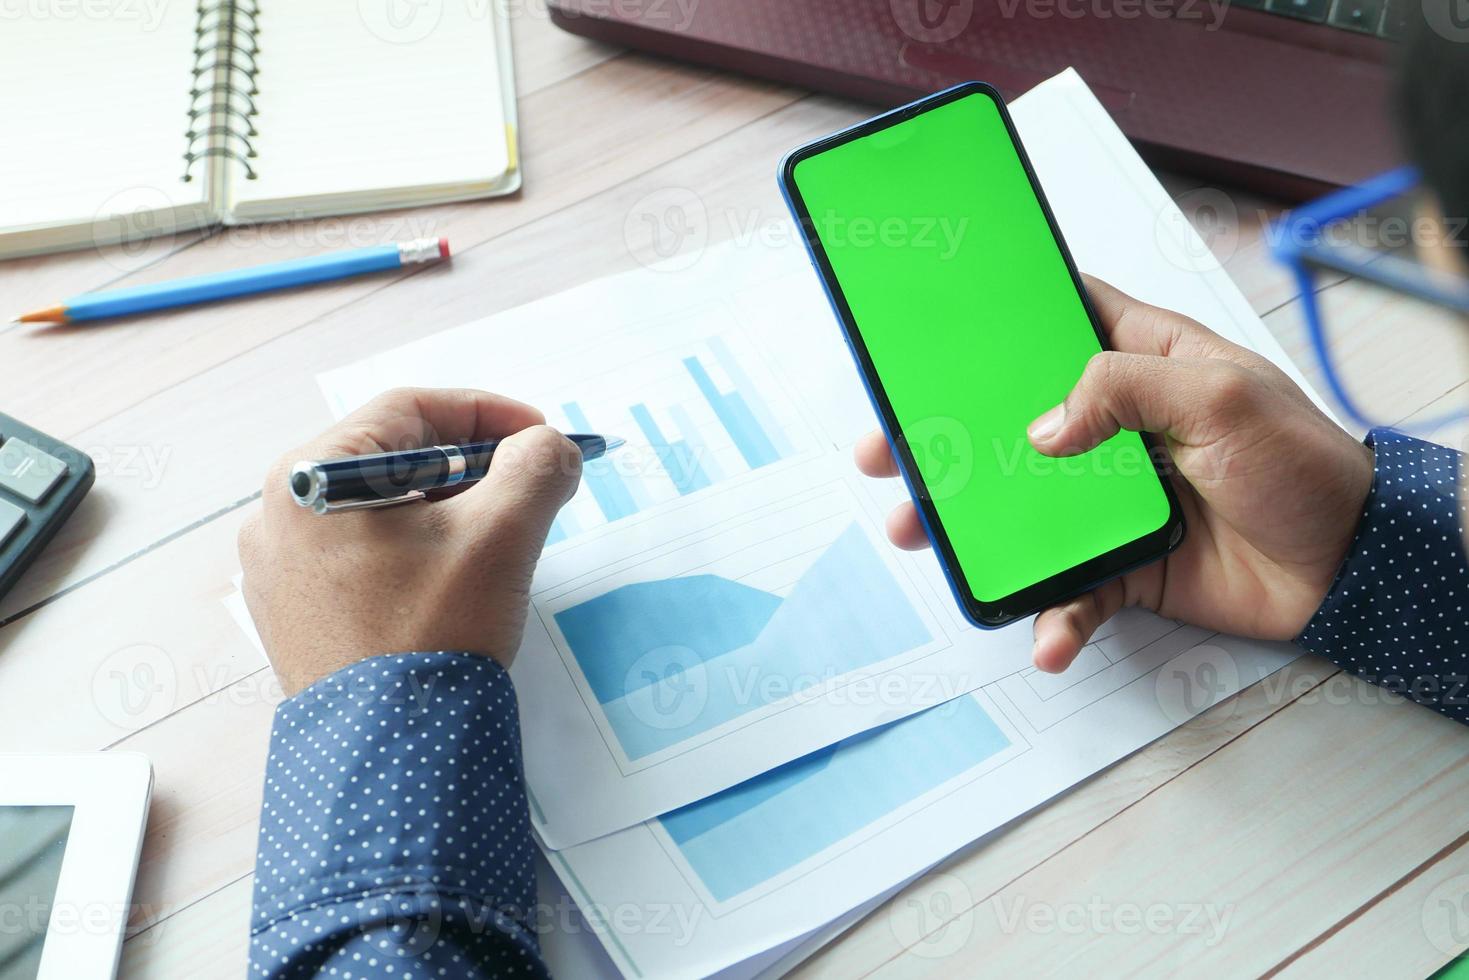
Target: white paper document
<point x="571" y="947"/>
<point x="719" y="597"/>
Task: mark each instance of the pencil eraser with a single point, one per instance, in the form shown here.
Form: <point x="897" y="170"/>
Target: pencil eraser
<point x="443" y="248"/>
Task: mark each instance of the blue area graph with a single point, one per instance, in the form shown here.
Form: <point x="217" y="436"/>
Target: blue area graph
<point x="750" y="833"/>
<point x="672" y="658"/>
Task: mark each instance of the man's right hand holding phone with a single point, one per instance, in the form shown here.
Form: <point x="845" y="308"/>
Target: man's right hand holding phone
<point x="1272" y="490"/>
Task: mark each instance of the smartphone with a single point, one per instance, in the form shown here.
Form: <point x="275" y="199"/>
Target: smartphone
<point x="967" y="319"/>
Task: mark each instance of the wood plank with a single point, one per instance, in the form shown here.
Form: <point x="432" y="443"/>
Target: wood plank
<point x="1418" y="925"/>
<point x="202" y="825"/>
<point x="545" y="55"/>
<point x="128" y="650"/>
<point x="1371" y="340"/>
<point x="1236" y="225"/>
<point x="1279" y="835"/>
<point x="207" y="940"/>
<point x="1454" y="433"/>
<point x="978" y="873"/>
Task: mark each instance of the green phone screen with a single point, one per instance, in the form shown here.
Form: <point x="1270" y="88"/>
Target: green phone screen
<point x="973" y="327"/>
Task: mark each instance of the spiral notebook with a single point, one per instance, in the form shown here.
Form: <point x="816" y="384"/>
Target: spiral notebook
<point x="162" y="117"/>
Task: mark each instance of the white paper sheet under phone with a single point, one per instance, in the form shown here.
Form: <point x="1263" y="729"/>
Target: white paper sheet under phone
<point x="71" y="827"/>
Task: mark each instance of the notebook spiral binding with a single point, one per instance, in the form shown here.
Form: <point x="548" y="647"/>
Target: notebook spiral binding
<point x="222" y="97"/>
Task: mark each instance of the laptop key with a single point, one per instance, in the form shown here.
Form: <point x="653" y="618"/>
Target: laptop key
<point x="1397" y="18"/>
<point x="1313" y="10"/>
<point x="27" y="471"/>
<point x="1357" y="15"/>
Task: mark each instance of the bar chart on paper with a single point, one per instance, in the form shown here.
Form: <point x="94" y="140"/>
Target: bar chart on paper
<point x="695" y="399"/>
<point x="693" y="414"/>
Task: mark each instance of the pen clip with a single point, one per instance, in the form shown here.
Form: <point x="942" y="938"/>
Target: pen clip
<point x="322" y="507"/>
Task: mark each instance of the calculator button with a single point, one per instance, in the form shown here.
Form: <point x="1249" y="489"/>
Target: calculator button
<point x="11" y="517"/>
<point x="27" y="471"/>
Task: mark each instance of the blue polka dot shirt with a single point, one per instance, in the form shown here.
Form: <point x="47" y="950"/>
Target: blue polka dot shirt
<point x="1398" y="612"/>
<point x="395" y="837"/>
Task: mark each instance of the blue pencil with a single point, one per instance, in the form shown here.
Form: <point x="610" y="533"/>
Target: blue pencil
<point x="241" y="282"/>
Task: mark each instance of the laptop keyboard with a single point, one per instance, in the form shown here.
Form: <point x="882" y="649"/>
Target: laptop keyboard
<point x="1384" y="18"/>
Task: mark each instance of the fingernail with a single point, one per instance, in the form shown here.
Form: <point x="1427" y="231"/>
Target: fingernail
<point x="1048" y="424"/>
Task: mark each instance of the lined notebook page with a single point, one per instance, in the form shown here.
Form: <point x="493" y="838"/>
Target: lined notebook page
<point x="354" y="99"/>
<point x="94" y="105"/>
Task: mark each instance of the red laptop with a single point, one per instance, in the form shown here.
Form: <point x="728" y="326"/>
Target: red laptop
<point x="1287" y="96"/>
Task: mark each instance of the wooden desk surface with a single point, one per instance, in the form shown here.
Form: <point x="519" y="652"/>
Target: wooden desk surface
<point x="1309" y="826"/>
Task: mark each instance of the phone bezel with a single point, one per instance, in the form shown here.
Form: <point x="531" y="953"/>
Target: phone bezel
<point x="1065" y="584"/>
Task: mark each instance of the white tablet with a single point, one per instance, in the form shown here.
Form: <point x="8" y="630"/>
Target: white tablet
<point x="71" y="827"/>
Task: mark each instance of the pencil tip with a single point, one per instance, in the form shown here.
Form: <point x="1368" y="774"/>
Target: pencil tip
<point x="52" y="314"/>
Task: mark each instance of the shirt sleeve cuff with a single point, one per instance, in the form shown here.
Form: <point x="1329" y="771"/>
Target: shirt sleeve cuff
<point x="1395" y="613"/>
<point x="400" y="772"/>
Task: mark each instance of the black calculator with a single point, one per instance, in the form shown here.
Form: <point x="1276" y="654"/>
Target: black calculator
<point x="41" y="483"/>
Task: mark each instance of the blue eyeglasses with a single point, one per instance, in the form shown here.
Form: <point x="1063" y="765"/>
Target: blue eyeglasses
<point x="1330" y="235"/>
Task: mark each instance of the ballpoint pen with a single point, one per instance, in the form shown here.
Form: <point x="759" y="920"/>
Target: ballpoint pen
<point x="240" y="282"/>
<point x="381" y="479"/>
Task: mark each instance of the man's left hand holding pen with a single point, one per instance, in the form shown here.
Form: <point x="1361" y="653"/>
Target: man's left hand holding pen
<point x="393" y="790"/>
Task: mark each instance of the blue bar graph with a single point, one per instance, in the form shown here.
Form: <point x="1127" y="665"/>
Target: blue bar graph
<point x="690" y="446"/>
<point x="564" y="526"/>
<point x="642" y="498"/>
<point x="742" y="382"/>
<point x="690" y="433"/>
<point x="678" y="459"/>
<point x="607" y="486"/>
<point x="736" y="417"/>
